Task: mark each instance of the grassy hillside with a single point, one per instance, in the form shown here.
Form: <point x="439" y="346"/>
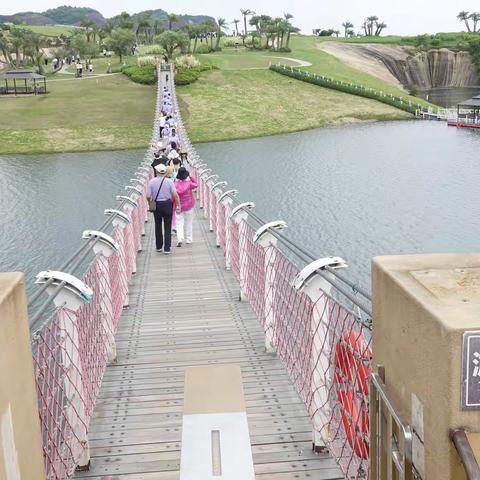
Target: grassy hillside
<point x="246" y="103"/>
<point x="103" y="113"/>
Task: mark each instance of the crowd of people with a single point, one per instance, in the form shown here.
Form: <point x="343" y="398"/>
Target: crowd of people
<point x="171" y="189"/>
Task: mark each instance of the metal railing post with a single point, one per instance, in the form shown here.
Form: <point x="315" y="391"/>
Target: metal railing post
<point x="317" y="288"/>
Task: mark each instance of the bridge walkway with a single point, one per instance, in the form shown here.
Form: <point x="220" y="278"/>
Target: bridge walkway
<point x="184" y="311"/>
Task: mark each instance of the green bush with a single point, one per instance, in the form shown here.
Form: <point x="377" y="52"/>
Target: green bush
<point x="232" y="42"/>
<point x="144" y="74"/>
<point x="185" y="76"/>
<point x="281" y="49"/>
<point x="202" y="48"/>
<point x="352" y="88"/>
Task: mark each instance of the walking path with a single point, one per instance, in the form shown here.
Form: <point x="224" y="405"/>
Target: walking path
<point x="184" y="311"/>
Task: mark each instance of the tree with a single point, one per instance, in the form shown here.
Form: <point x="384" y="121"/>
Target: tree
<point x="371" y="21"/>
<point x="157" y="27"/>
<point x="34" y="44"/>
<point x="222" y="23"/>
<point x="463" y="16"/>
<point x="245" y="12"/>
<point x="347" y="26"/>
<point x="120" y="41"/>
<point x="87" y="24"/>
<point x="143" y="26"/>
<point x="172" y="18"/>
<point x="124" y="21"/>
<point x="236" y="22"/>
<point x="379" y="27"/>
<point x="475" y="18"/>
<point x="171" y="40"/>
<point x="17" y="41"/>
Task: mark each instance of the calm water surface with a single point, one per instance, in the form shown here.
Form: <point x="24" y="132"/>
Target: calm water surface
<point x="48" y="200"/>
<point x="365" y="190"/>
<point x="449" y="97"/>
<point x="356" y="191"/>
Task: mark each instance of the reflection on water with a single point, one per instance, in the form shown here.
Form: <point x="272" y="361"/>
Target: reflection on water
<point x="364" y="190"/>
<point x="48" y="200"/>
<point x="449" y="97"/>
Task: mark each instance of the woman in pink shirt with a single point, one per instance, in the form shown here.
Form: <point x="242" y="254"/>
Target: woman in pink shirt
<point x="185" y="186"/>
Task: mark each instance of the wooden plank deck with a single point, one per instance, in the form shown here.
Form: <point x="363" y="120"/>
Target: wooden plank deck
<point x="185" y="311"/>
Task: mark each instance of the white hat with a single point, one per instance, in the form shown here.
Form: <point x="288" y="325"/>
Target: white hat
<point x="161" y="168"/>
<point x="173" y="154"/>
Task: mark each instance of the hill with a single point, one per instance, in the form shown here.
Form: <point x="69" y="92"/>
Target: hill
<point x="65" y="15"/>
<point x="74" y="15"/>
<point x="161" y="15"/>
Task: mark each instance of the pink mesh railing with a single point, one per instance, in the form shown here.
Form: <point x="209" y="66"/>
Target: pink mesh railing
<point x="324" y="345"/>
<point x="72" y="348"/>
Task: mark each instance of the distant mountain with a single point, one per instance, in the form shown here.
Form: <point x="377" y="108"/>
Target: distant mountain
<point x="74" y="15"/>
<point x="29" y="18"/>
<point x="161" y="15"/>
<point x="65" y="15"/>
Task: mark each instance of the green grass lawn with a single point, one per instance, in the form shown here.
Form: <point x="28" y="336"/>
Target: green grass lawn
<point x="104" y="113"/>
<point x="51" y="30"/>
<point x="246" y="103"/>
<point x="241" y="59"/>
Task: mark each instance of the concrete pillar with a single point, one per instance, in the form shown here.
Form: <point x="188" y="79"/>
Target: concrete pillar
<point x="21" y="454"/>
<point x="422" y="307"/>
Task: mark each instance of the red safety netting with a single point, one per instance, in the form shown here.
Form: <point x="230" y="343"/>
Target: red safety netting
<point x="73" y="347"/>
<point x="323" y="344"/>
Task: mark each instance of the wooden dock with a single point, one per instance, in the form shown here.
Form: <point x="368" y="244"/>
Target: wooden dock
<point x="184" y="311"/>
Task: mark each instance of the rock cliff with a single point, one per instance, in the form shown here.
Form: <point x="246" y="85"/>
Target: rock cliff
<point x="401" y="65"/>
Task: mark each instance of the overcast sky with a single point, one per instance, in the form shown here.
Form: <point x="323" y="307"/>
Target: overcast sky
<point x="402" y="16"/>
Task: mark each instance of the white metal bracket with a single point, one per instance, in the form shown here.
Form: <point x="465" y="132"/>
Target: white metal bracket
<point x="136" y="191"/>
<point x="308" y="281"/>
<point x="128" y="200"/>
<point x="73" y="294"/>
<point x="219" y="185"/>
<point x="240" y="212"/>
<point x="120" y="219"/>
<point x="228" y="195"/>
<point x="105" y="245"/>
<point x="211" y="177"/>
<point x="263" y="236"/>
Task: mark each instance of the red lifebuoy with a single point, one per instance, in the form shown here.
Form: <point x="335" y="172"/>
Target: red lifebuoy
<point x="352" y="377"/>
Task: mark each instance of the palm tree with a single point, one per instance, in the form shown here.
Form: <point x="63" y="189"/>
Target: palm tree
<point x="143" y="26"/>
<point x="172" y="18"/>
<point x="222" y="23"/>
<point x="475" y="17"/>
<point x="17" y="41"/>
<point x="236" y="22"/>
<point x="87" y="24"/>
<point x="347" y="26"/>
<point x="371" y="21"/>
<point x="245" y="12"/>
<point x="157" y="27"/>
<point x="463" y="17"/>
<point x="380" y="26"/>
<point x="5" y="48"/>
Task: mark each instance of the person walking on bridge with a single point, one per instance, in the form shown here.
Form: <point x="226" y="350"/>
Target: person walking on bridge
<point x="185" y="185"/>
<point x="162" y="190"/>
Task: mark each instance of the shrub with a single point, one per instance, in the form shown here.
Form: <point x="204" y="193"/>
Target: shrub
<point x="144" y="74"/>
<point x="147" y="60"/>
<point x="352" y="88"/>
<point x="153" y="50"/>
<point x="185" y="76"/>
<point x="203" y="48"/>
<point x="232" y="42"/>
<point x="187" y="61"/>
<point x="281" y="49"/>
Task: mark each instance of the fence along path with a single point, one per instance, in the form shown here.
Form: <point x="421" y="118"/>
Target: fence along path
<point x="184" y="311"/>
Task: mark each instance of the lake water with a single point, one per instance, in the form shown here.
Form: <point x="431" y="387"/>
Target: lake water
<point x="354" y="191"/>
<point x="449" y="97"/>
<point x="49" y="200"/>
<point x="363" y="190"/>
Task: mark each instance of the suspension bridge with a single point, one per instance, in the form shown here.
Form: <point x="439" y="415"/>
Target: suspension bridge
<point x="242" y="356"/>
